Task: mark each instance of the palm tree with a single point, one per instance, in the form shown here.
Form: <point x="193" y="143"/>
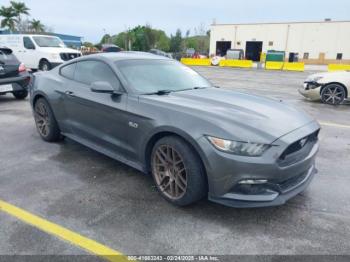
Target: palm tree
<point x="37" y="26"/>
<point x="9" y="18"/>
<point x="19" y="9"/>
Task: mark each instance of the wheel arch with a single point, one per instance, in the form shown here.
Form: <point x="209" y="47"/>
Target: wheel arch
<point x="156" y="136"/>
<point x="336" y="83"/>
<point x="37" y="96"/>
<point x="43" y="59"/>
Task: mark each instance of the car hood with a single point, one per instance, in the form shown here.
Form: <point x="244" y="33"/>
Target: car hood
<point x="246" y="117"/>
<point x="330" y="75"/>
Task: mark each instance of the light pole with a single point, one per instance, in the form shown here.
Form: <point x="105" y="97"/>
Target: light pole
<point x="107" y="41"/>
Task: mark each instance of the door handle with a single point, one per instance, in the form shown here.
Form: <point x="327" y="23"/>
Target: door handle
<point x="69" y="93"/>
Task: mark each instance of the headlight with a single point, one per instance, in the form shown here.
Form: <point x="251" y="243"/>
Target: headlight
<point x="238" y="148"/>
<point x="315" y="79"/>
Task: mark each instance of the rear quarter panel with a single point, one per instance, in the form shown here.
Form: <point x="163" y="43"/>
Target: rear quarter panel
<point x="50" y="85"/>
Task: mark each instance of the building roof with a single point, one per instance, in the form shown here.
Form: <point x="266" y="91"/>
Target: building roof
<point x="278" y="23"/>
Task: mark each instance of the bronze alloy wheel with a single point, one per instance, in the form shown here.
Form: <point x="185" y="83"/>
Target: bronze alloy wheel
<point x="169" y="172"/>
<point x="42" y="119"/>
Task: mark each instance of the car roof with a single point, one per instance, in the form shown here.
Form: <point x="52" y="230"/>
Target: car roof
<point x="46" y="35"/>
<point x="109" y="45"/>
<point x="125" y="55"/>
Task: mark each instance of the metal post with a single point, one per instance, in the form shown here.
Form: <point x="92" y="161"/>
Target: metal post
<point x="287" y="40"/>
<point x="235" y="37"/>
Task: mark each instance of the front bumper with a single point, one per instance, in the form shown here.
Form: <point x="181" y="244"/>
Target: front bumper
<point x="273" y="195"/>
<point x="311" y="91"/>
<point x="286" y="175"/>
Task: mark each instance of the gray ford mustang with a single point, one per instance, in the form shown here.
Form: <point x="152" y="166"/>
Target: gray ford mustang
<point x="163" y="118"/>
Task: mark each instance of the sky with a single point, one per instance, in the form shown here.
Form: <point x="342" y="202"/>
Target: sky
<point x="91" y="19"/>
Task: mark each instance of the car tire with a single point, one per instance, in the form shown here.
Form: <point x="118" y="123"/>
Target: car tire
<point x="178" y="171"/>
<point x="333" y="94"/>
<point x="45" y="65"/>
<point x="20" y="95"/>
<point x="45" y="121"/>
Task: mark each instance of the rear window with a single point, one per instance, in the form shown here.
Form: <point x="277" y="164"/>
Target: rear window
<point x="7" y="56"/>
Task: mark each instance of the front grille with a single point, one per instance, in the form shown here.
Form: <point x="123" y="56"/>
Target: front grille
<point x="68" y="56"/>
<point x="298" y="150"/>
<point x="290" y="183"/>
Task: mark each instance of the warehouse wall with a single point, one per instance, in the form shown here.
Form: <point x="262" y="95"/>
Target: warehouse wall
<point x="329" y="38"/>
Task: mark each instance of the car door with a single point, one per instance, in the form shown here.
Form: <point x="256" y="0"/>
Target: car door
<point x="97" y="119"/>
<point x="27" y="53"/>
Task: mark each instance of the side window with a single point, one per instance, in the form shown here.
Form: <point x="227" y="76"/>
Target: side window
<point x="28" y="43"/>
<point x="88" y="72"/>
<point x="68" y="71"/>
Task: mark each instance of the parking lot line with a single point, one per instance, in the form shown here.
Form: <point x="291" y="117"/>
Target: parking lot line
<point x="334" y="124"/>
<point x="63" y="233"/>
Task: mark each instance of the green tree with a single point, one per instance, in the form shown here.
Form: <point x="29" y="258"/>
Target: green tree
<point x="162" y="41"/>
<point x="88" y="44"/>
<point x="176" y="42"/>
<point x="20" y="9"/>
<point x="121" y="40"/>
<point x="191" y="43"/>
<point x="200" y="43"/>
<point x="141" y="41"/>
<point x="36" y="26"/>
<point x="9" y="18"/>
<point x="106" y="39"/>
<point x="142" y="38"/>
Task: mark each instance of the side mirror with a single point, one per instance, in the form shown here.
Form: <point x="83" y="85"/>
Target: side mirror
<point x="103" y="87"/>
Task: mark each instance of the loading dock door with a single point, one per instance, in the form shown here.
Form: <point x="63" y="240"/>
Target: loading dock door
<point x="253" y="50"/>
<point x="222" y="47"/>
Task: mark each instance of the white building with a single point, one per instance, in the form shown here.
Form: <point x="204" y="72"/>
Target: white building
<point x="313" y="42"/>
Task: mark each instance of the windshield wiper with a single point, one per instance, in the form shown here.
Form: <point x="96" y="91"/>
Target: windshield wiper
<point x="168" y="91"/>
<point x="160" y="92"/>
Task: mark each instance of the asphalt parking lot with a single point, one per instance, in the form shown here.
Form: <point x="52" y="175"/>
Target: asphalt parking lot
<point x="113" y="204"/>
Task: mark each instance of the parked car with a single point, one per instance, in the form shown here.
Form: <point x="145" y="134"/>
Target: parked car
<point x="161" y="53"/>
<point x="331" y="87"/>
<point x="163" y="118"/>
<point x="42" y="52"/>
<point x="14" y="77"/>
<point x="110" y="48"/>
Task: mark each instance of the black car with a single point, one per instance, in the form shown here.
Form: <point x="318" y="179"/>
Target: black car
<point x="109" y="48"/>
<point x="160" y="52"/>
<point x="14" y="77"/>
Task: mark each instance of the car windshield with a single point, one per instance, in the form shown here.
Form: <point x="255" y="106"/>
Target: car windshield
<point x="151" y="76"/>
<point x="47" y="41"/>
